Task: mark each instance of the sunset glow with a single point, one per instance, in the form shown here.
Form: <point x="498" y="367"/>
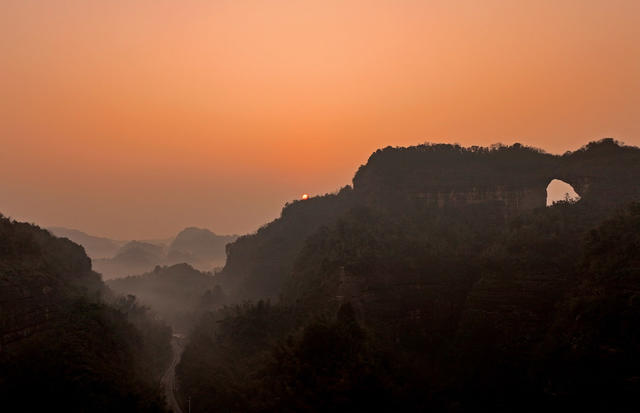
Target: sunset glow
<point x="136" y="119"/>
<point x="319" y="205"/>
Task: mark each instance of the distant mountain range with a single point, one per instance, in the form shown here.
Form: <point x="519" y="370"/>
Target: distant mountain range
<point x="198" y="247"/>
<point x="95" y="247"/>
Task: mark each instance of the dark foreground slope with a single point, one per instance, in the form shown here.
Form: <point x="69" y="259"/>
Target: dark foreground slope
<point x="63" y="346"/>
<point x="443" y="283"/>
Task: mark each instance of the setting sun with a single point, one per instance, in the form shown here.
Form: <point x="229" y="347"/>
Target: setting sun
<point x="472" y="243"/>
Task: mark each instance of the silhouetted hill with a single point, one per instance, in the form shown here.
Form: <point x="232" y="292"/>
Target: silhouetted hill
<point x="504" y="181"/>
<point x="466" y="289"/>
<point x="511" y="177"/>
<point x="95" y="247"/>
<point x="199" y="247"/>
<point x="40" y="272"/>
<point x="134" y="257"/>
<point x="66" y="343"/>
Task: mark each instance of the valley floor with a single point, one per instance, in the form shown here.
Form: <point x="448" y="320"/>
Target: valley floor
<point x="169" y="377"/>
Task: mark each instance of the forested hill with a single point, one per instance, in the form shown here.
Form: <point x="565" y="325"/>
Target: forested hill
<point x="67" y="344"/>
<point x="504" y="180"/>
<point x="514" y="177"/>
<point x="38" y="272"/>
<point x="439" y="282"/>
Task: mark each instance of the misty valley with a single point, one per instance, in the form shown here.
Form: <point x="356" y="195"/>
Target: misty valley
<point x="443" y="278"/>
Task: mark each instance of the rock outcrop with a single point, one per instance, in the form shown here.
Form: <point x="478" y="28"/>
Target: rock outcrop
<point x="514" y="177"/>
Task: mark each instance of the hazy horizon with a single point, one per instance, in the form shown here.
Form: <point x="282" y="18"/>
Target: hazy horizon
<point x="135" y="120"/>
<point x="556" y="191"/>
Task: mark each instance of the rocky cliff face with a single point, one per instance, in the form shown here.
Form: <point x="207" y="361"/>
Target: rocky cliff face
<point x="514" y="177"/>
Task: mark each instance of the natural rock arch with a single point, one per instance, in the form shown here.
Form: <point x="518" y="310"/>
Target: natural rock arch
<point x="559" y="190"/>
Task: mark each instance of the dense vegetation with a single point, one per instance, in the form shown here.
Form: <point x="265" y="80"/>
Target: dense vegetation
<point x="67" y="343"/>
<point x="255" y="359"/>
<point x="93" y="358"/>
<point x="454" y="306"/>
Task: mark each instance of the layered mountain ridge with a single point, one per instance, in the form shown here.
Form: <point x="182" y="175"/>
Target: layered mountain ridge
<point x="197" y="247"/>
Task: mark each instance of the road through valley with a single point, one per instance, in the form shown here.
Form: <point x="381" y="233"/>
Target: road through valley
<point x="169" y="378"/>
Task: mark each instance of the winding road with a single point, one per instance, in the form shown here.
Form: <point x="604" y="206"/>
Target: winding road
<point x="168" y="380"/>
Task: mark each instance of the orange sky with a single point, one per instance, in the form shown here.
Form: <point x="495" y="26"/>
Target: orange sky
<point x="133" y="119"/>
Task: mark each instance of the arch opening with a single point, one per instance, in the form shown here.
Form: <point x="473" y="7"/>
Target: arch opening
<point x="560" y="191"/>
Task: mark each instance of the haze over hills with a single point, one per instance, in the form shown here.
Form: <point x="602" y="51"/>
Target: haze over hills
<point x="134" y="257"/>
<point x="95" y="247"/>
<point x="198" y="247"/>
<point x="177" y="293"/>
